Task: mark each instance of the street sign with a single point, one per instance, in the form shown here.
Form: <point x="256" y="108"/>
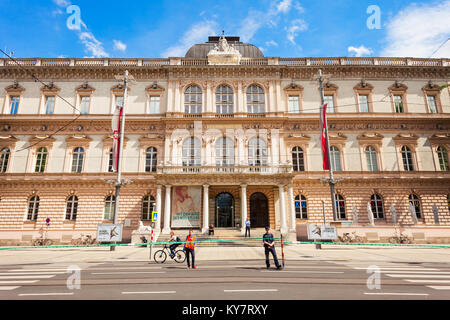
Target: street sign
<point x="154" y="216"/>
<point x="321" y="232"/>
<point x="109" y="232"/>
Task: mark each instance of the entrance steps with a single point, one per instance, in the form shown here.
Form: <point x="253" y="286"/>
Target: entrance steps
<point x="225" y="237"/>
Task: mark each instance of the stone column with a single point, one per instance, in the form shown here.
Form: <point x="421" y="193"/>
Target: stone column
<point x="292" y="208"/>
<point x="177" y="106"/>
<point x="283" y="228"/>
<point x="158" y="207"/>
<point x="205" y="208"/>
<point x="169" y="96"/>
<point x="166" y="229"/>
<point x="243" y="207"/>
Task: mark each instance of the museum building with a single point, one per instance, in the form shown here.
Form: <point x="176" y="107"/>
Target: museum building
<point x="221" y="135"/>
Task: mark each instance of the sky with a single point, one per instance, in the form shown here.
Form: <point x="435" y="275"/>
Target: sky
<point x="280" y="28"/>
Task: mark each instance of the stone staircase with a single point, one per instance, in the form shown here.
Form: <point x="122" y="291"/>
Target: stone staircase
<point x="225" y="237"/>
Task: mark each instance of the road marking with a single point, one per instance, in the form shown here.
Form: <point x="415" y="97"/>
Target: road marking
<point x="396" y="293"/>
<point x="303" y="271"/>
<point x="411" y="269"/>
<point x="149" y="292"/>
<point x="418" y="271"/>
<point x="131" y="272"/>
<point x="428" y="281"/>
<point x="28" y="273"/>
<point x="8" y="288"/>
<point x="418" y="276"/>
<point x="36" y="270"/>
<point x="47" y="294"/>
<point x="121" y="268"/>
<point x="18" y="281"/>
<point x="252" y="290"/>
<point x="439" y="287"/>
<point x="27" y="277"/>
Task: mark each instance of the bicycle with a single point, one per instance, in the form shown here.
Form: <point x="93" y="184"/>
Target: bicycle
<point x="353" y="238"/>
<point x="401" y="239"/>
<point x="84" y="240"/>
<point x="42" y="241"/>
<point x="160" y="256"/>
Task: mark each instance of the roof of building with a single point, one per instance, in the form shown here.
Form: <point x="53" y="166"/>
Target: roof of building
<point x="200" y="51"/>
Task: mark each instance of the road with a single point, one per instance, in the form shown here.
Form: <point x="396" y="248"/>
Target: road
<point x="226" y="280"/>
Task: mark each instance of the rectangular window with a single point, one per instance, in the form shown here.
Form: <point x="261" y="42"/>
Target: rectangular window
<point x="364" y="103"/>
<point x="14" y="104"/>
<point x="329" y="100"/>
<point x="49" y="105"/>
<point x="398" y="104"/>
<point x="432" y="104"/>
<point x="153" y="105"/>
<point x="294" y="104"/>
<point x="84" y="105"/>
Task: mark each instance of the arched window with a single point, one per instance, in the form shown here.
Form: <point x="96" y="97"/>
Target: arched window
<point x="298" y="161"/>
<point x="255" y="99"/>
<point x="224" y="152"/>
<point x="443" y="158"/>
<point x="335" y="156"/>
<point x="340" y="206"/>
<point x="33" y="208"/>
<point x="77" y="161"/>
<point x="4" y="159"/>
<point x="110" y="161"/>
<point x="41" y="159"/>
<point x="407" y="159"/>
<point x="414" y="199"/>
<point x="301" y="207"/>
<point x="224" y="99"/>
<point x="376" y="202"/>
<point x="257" y="152"/>
<point x="191" y="152"/>
<point x="150" y="159"/>
<point x="72" y="208"/>
<point x="110" y="203"/>
<point x="371" y="157"/>
<point x="193" y="99"/>
<point x="148" y="206"/>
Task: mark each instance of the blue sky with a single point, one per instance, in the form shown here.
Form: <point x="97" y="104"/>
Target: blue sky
<point x="285" y="28"/>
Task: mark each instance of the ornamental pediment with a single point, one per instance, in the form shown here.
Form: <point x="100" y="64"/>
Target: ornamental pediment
<point x="7" y="141"/>
<point x="109" y="139"/>
<point x="406" y="138"/>
<point x="78" y="140"/>
<point x="15" y="88"/>
<point x="42" y="141"/>
<point x="437" y="139"/>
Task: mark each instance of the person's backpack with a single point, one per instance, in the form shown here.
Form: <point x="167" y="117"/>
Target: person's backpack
<point x="178" y="239"/>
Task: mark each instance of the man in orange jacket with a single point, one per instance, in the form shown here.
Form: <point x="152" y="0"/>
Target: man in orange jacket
<point x="189" y="247"/>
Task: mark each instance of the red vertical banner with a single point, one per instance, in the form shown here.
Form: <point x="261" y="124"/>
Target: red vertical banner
<point x="323" y="128"/>
<point x="116" y="136"/>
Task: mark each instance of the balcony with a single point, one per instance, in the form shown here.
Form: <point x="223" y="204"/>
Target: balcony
<point x="237" y="169"/>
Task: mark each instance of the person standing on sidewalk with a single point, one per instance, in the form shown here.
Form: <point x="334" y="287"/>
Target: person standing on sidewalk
<point x="269" y="246"/>
<point x="247" y="227"/>
<point x="190" y="250"/>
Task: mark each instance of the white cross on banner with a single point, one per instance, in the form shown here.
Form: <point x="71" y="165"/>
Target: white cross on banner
<point x="323" y="114"/>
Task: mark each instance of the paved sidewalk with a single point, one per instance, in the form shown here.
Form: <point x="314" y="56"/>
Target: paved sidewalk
<point x="292" y="252"/>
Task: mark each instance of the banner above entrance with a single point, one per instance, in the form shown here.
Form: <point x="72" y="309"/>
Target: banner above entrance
<point x="186" y="206"/>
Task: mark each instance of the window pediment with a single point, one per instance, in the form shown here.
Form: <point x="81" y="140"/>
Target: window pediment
<point x="8" y="141"/>
<point x="438" y="139"/>
<point x="370" y="138"/>
<point x="154" y="89"/>
<point x="406" y="138"/>
<point x="15" y="88"/>
<point x="108" y="141"/>
<point x="50" y="89"/>
<point x="78" y="141"/>
<point x="398" y="88"/>
<point x="42" y="141"/>
<point x="85" y="88"/>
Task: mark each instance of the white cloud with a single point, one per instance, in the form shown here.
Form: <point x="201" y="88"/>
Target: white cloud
<point x="297" y="25"/>
<point x="62" y="3"/>
<point x="284" y="6"/>
<point x="198" y="33"/>
<point x="418" y="30"/>
<point x="119" y="45"/>
<point x="271" y="43"/>
<point x="360" y="51"/>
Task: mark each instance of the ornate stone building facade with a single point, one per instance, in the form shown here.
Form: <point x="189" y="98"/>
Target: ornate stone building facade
<point x="238" y="128"/>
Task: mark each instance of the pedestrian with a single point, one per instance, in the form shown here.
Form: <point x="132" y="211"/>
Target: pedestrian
<point x="190" y="249"/>
<point x="269" y="246"/>
<point x="172" y="247"/>
<point x="247" y="227"/>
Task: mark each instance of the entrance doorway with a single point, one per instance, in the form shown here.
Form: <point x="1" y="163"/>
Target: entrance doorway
<point x="224" y="210"/>
<point x="259" y="210"/>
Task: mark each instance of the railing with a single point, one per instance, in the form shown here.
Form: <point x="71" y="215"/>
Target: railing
<point x="238" y="169"/>
<point x="318" y="61"/>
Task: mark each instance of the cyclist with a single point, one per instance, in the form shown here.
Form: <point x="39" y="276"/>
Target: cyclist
<point x="173" y="238"/>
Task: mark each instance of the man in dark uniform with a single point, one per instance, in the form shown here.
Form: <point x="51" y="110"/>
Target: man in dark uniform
<point x="269" y="246"/>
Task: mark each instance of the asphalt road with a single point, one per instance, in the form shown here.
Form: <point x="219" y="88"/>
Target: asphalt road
<point x="229" y="280"/>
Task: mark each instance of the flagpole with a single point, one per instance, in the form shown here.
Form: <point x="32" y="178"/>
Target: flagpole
<point x="119" y="162"/>
<point x="331" y="178"/>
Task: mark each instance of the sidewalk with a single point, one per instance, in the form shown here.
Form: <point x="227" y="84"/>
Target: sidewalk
<point x="293" y="252"/>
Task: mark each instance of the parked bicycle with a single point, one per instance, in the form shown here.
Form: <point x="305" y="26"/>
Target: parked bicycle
<point x="42" y="240"/>
<point x="160" y="256"/>
<point x="84" y="240"/>
<point x="347" y="238"/>
<point x="401" y="239"/>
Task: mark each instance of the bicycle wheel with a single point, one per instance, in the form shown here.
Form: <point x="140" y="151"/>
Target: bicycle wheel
<point x="160" y="256"/>
<point x="358" y="239"/>
<point x="36" y="242"/>
<point x="48" y="242"/>
<point x="393" y="240"/>
<point x="180" y="256"/>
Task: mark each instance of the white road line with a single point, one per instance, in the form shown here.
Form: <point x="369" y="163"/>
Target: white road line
<point x="428" y="281"/>
<point x="18" y="281"/>
<point x="418" y="272"/>
<point x="27" y="277"/>
<point x="252" y="290"/>
<point x="121" y="268"/>
<point x="396" y="293"/>
<point x="412" y="269"/>
<point x="418" y="276"/>
<point x="27" y="273"/>
<point x="439" y="287"/>
<point x="8" y="288"/>
<point x="37" y="270"/>
<point x="131" y="272"/>
<point x="47" y="294"/>
<point x="150" y="292"/>
<point x="302" y="271"/>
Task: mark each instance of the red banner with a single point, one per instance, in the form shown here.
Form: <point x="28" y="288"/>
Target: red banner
<point x="323" y="128"/>
<point x="116" y="136"/>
